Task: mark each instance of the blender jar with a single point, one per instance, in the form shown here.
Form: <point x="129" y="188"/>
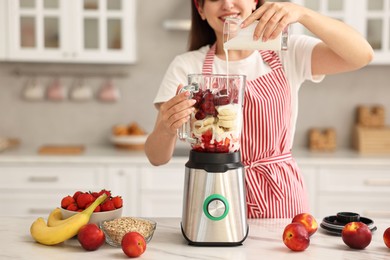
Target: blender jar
<point x="215" y="125"/>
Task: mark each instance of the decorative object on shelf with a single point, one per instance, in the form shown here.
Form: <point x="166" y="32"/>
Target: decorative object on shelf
<point x="81" y="91"/>
<point x="371" y="116"/>
<point x="371" y="135"/>
<point x="322" y="139"/>
<point x="108" y="92"/>
<point x="34" y="90"/>
<point x="56" y="91"/>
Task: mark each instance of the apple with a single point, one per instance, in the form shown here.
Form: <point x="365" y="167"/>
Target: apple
<point x="356" y="235"/>
<point x="296" y="237"/>
<point x="386" y="237"/>
<point x="91" y="237"/>
<point x="133" y="244"/>
<point x="308" y="221"/>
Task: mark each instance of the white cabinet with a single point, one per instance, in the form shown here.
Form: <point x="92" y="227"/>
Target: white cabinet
<point x="36" y="190"/>
<point x="370" y="17"/>
<point x="3" y="30"/>
<point x="161" y="190"/>
<point x="310" y="176"/>
<point x="365" y="190"/>
<point x="123" y="180"/>
<point x="80" y="31"/>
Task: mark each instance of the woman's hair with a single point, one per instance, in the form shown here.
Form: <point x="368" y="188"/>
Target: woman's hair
<point x="201" y="33"/>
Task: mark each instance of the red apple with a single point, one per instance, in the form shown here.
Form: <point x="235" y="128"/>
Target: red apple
<point x="296" y="237"/>
<point x="386" y="237"/>
<point x="133" y="244"/>
<point x="308" y="221"/>
<point x="91" y="237"/>
<point x="356" y="235"/>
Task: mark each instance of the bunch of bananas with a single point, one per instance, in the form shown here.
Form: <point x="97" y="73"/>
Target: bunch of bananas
<point x="58" y="230"/>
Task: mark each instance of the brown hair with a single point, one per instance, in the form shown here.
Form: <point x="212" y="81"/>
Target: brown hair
<point x="201" y="33"/>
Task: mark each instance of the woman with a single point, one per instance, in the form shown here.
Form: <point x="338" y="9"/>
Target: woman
<point x="274" y="185"/>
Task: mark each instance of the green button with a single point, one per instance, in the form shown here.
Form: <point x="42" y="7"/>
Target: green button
<point x="217" y="199"/>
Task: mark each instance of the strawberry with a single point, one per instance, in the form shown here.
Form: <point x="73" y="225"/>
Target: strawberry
<point x="107" y="205"/>
<point x="95" y="194"/>
<point x="97" y="209"/>
<point x="72" y="207"/>
<point x="106" y="192"/>
<point x="118" y="202"/>
<point x="66" y="201"/>
<point x="76" y="194"/>
<point x="84" y="199"/>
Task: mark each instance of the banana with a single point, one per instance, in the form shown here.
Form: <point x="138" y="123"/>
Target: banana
<point x="55" y="218"/>
<point x="69" y="227"/>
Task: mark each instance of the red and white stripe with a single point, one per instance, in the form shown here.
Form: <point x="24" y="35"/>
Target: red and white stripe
<point x="274" y="186"/>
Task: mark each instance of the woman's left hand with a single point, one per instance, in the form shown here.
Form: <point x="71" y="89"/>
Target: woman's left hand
<point x="273" y="18"/>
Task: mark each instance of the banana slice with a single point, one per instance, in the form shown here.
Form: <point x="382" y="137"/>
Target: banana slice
<point x="226" y="124"/>
<point x="227" y="110"/>
<point x="227" y="118"/>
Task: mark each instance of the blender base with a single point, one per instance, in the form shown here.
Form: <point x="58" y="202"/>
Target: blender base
<point x="216" y="244"/>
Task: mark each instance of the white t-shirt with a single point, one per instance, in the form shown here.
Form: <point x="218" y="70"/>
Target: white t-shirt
<point x="296" y="63"/>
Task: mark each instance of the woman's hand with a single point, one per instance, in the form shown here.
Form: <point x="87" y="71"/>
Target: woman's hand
<point x="273" y="18"/>
<point x="175" y="112"/>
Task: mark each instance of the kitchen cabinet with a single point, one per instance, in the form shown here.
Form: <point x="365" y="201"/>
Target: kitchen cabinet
<point x="3" y="30"/>
<point x="161" y="190"/>
<point x="35" y="190"/>
<point x="370" y="17"/>
<point x="365" y="190"/>
<point x="123" y="180"/>
<point x="310" y="177"/>
<point x="82" y="31"/>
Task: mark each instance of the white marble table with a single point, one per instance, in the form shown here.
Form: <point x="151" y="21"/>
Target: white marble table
<point x="264" y="242"/>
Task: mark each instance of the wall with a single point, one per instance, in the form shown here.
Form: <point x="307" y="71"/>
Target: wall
<point x="330" y="103"/>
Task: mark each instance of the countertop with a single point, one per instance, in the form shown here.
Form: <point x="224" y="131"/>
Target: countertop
<point x="264" y="242"/>
<point x="108" y="154"/>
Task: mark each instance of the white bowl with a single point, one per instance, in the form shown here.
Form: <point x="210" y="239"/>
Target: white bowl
<point x="128" y="139"/>
<point x="96" y="217"/>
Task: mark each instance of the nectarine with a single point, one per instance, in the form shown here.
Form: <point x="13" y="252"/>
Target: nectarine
<point x="308" y="221"/>
<point x="356" y="235"/>
<point x="296" y="237"/>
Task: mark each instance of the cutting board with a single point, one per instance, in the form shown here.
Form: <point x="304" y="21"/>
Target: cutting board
<point x="61" y="149"/>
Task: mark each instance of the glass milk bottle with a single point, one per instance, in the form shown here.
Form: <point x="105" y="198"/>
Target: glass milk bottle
<point x="237" y="38"/>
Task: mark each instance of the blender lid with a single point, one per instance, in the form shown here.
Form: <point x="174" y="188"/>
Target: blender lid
<point x="214" y="162"/>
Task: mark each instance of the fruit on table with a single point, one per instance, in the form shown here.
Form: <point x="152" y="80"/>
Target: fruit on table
<point x="54" y="235"/>
<point x="296" y="237"/>
<point x="308" y="221"/>
<point x="81" y="200"/>
<point x="55" y="218"/>
<point x="356" y="235"/>
<point x="91" y="237"/>
<point x="133" y="244"/>
<point x="386" y="237"/>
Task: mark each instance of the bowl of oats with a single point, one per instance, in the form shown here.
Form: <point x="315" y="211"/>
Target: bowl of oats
<point x="115" y="229"/>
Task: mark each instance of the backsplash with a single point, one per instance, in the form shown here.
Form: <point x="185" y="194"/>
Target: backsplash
<point x="331" y="103"/>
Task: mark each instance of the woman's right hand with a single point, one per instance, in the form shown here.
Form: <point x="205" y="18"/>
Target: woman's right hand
<point x="175" y="112"/>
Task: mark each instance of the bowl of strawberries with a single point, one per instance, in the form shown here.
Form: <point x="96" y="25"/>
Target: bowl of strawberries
<point x="111" y="208"/>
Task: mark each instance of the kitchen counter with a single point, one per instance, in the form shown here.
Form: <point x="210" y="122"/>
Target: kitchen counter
<point x="264" y="242"/>
<point x="108" y="154"/>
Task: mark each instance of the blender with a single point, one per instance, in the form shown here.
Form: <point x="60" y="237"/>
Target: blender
<point x="214" y="206"/>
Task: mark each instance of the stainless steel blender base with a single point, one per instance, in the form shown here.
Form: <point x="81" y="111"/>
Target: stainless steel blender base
<point x="214" y="208"/>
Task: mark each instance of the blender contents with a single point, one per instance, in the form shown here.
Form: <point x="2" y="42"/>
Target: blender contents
<point x="215" y="125"/>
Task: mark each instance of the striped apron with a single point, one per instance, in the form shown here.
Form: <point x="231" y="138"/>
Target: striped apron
<point x="274" y="186"/>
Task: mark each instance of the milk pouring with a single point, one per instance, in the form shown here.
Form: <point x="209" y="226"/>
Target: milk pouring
<point x="237" y="38"/>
